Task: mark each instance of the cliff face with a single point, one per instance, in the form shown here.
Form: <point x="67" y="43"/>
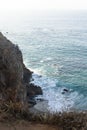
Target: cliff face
<point x="14" y="76"/>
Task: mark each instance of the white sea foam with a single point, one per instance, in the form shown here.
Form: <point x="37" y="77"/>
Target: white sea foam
<point x="54" y="47"/>
<point x="57" y="101"/>
<point x="46" y="59"/>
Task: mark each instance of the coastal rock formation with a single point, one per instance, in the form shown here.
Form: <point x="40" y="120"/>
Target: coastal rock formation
<point x="33" y="90"/>
<point x="14" y="76"/>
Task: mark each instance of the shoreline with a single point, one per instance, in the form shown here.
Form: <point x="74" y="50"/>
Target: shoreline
<point x="42" y="107"/>
<point x="16" y="89"/>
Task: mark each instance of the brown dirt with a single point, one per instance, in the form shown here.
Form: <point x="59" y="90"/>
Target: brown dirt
<point x="27" y="126"/>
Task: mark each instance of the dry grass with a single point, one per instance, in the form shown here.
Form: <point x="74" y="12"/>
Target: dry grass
<point x="68" y="121"/>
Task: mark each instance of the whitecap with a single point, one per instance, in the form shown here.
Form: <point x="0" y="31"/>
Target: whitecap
<point x="46" y="59"/>
<point x="56" y="100"/>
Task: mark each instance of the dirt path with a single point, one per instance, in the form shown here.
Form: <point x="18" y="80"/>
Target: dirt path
<point x="27" y="126"/>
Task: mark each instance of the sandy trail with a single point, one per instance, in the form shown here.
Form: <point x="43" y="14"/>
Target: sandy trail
<point x="27" y="126"/>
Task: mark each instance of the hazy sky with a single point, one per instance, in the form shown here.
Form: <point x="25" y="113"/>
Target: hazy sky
<point x="18" y="5"/>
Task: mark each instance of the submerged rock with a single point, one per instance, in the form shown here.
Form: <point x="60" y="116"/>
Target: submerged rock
<point x="65" y="91"/>
<point x="14" y="76"/>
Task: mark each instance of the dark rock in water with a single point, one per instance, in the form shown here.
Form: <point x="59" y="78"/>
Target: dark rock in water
<point x="14" y="76"/>
<point x="40" y="99"/>
<point x="31" y="101"/>
<point x="33" y="90"/>
<point x="65" y="91"/>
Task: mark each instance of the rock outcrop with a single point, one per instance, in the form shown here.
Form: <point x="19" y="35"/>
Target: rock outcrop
<point x="33" y="90"/>
<point x="14" y="76"/>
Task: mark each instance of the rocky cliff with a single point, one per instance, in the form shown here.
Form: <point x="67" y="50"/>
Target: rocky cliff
<point x="14" y="76"/>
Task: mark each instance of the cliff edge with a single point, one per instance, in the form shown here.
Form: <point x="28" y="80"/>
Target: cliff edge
<point x="14" y="76"/>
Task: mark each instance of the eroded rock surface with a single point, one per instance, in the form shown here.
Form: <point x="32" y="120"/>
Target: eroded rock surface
<point x="14" y="76"/>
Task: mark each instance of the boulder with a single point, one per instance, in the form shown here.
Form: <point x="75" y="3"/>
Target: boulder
<point x="33" y="90"/>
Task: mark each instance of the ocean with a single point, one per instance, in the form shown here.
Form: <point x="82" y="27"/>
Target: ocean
<point x="54" y="46"/>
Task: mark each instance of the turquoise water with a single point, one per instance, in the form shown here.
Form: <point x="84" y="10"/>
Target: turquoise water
<point x="54" y="47"/>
